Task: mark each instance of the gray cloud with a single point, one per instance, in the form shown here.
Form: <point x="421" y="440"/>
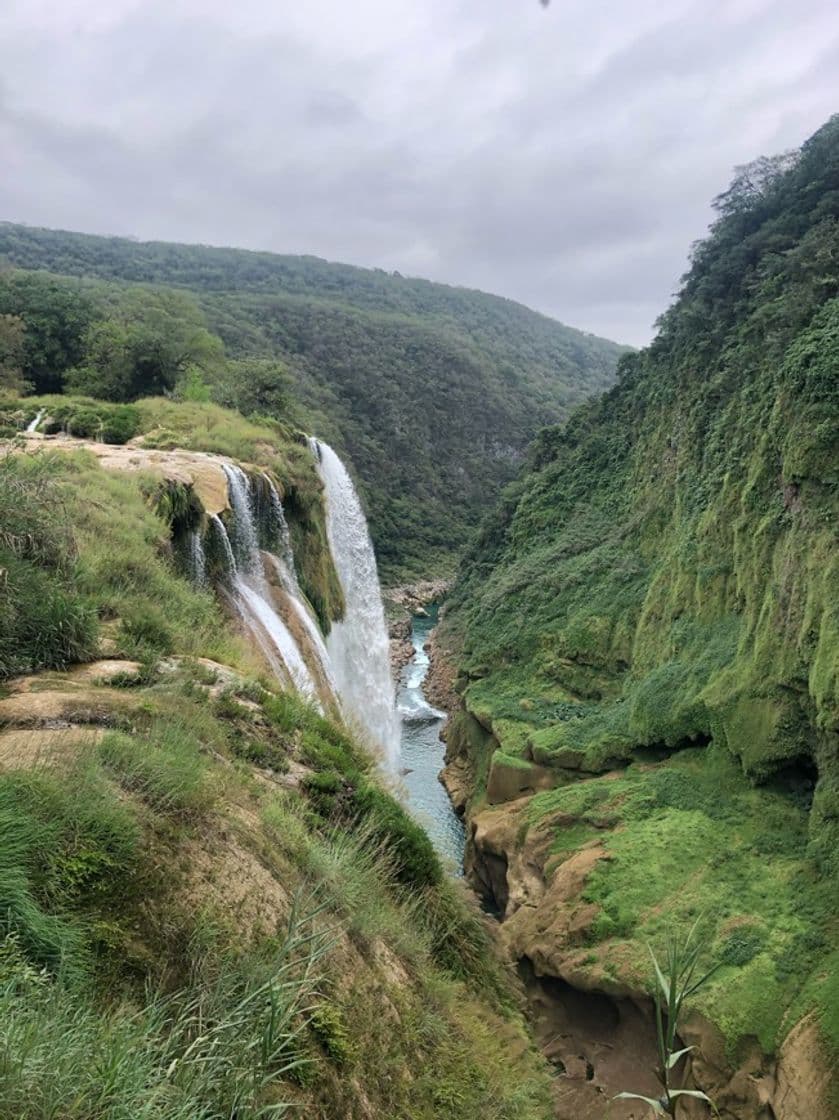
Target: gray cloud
<point x="564" y="156"/>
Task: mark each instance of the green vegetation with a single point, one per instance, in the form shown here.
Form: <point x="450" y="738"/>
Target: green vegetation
<point x="665" y="573"/>
<point x="210" y="906"/>
<point x="430" y="392"/>
<point x="44" y="620"/>
<point x="675" y="984"/>
<point x="690" y="838"/>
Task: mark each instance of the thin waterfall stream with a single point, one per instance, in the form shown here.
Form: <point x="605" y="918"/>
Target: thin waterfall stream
<point x="423" y="751"/>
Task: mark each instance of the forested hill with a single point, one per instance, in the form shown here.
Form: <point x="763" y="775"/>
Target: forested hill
<point x="433" y="392"/>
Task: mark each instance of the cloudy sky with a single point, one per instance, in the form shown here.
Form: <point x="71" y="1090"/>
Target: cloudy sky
<point x="564" y="156"/>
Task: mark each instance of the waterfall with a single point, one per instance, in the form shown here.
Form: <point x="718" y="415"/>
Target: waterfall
<point x="358" y="646"/>
<point x="251" y="595"/>
<point x="256" y="608"/>
<point x="197" y="559"/>
<point x="32" y="426"/>
<point x="282" y="531"/>
<point x="245" y="539"/>
<point x="226" y="547"/>
<point x="351" y="668"/>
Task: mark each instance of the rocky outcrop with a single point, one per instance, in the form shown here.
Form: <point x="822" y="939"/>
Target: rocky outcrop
<point x="401" y="646"/>
<point x="589" y="1008"/>
<point x="439" y="685"/>
<point x="415" y="597"/>
<point x="402" y="603"/>
<point x="198" y="469"/>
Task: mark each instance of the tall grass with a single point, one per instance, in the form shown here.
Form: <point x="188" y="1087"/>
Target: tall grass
<point x="228" y="1045"/>
<point x="164" y="766"/>
<point x="44" y="621"/>
<point x="66" y="844"/>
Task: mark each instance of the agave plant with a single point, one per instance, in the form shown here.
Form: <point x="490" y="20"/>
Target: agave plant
<point x="676" y="982"/>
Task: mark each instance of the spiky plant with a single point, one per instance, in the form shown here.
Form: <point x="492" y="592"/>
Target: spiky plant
<point x="675" y="983"/>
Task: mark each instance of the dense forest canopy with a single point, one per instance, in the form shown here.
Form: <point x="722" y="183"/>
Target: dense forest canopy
<point x="432" y="392"/>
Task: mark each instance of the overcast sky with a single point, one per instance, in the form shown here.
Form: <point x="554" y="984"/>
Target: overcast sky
<point x="564" y="156"/>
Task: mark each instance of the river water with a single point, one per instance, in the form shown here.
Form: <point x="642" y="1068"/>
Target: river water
<point x="423" y="752"/>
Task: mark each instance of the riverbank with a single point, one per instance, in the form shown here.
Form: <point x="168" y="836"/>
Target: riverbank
<point x="402" y="604"/>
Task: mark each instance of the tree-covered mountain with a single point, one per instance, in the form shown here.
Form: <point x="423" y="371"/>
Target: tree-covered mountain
<point x="657" y="597"/>
<point x="432" y="392"/>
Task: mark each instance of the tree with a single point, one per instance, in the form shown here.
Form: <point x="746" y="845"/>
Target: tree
<point x="56" y="314"/>
<point x="11" y="354"/>
<point x="255" y="385"/>
<point x="146" y="346"/>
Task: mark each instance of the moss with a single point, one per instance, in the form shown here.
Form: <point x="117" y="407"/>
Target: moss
<point x="690" y="839"/>
<point x="665" y="573"/>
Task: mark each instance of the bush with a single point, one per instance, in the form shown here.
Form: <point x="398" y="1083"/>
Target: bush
<point x="85" y="423"/>
<point x="415" y="861"/>
<point x="121" y="424"/>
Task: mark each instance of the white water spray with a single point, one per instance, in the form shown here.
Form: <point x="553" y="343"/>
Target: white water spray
<point x="358" y="646"/>
<point x="245" y="539"/>
<point x="32" y="426"/>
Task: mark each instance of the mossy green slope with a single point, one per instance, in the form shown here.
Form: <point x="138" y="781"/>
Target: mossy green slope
<point x="666" y="571"/>
<point x="210" y="904"/>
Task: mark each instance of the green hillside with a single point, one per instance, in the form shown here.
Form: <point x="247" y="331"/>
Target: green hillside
<point x="210" y="903"/>
<point x="658" y="593"/>
<point x="432" y="392"/>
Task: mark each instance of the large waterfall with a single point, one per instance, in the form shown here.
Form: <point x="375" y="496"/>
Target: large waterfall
<point x="358" y="645"/>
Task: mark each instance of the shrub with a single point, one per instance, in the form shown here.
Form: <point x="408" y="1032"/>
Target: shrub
<point x="414" y="859"/>
<point x="85" y="423"/>
<point x="120" y="424"/>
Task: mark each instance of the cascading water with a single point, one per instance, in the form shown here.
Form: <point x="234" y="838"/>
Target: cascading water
<point x="224" y="543"/>
<point x="251" y="595"/>
<point x="358" y="645"/>
<point x="197" y="559"/>
<point x="282" y="531"/>
<point x="244" y="536"/>
<point x="32" y="426"/>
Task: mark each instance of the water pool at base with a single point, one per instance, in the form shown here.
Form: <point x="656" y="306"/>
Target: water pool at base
<point x="423" y="752"/>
